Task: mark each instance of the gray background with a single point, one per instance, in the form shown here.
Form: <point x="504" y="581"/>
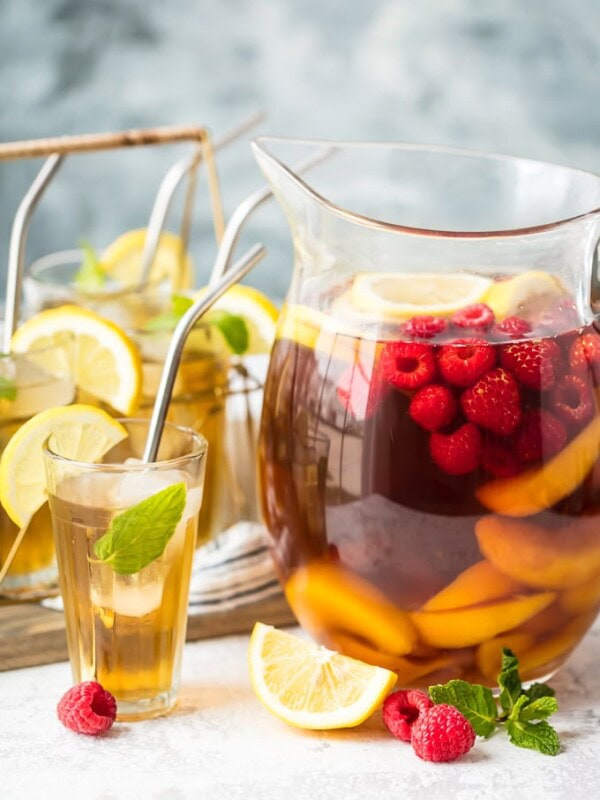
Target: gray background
<point x="506" y="75"/>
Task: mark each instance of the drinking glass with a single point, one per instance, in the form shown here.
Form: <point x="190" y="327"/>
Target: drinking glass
<point x="126" y="631"/>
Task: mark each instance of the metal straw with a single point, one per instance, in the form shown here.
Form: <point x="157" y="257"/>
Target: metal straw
<point x="169" y="186"/>
<point x="245" y="209"/>
<point x="177" y="343"/>
<point x="16" y="251"/>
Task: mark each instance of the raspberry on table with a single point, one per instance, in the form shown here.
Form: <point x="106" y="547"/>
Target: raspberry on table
<point x="513" y="327"/>
<point x="407" y="365"/>
<point x="433" y="407"/>
<point x="442" y="734"/>
<point x="402" y="709"/>
<point x="571" y="400"/>
<point x="457" y="453"/>
<point x="424" y="327"/>
<point x="493" y="402"/>
<point x="476" y="317"/>
<point x="465" y="360"/>
<point x="498" y="457"/>
<point x="87" y="708"/>
<point x="540" y="434"/>
<point x="536" y="363"/>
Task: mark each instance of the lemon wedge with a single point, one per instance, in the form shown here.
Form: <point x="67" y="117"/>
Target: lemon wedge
<point x="255" y="308"/>
<point x="121" y="260"/>
<point x="107" y="363"/>
<point x="403" y="295"/>
<point x="526" y="290"/>
<point x="79" y="432"/>
<point x="311" y="687"/>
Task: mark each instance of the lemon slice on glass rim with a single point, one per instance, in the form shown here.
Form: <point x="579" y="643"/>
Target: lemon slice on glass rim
<point x="79" y="432"/>
<point x="107" y="363"/>
<point x="311" y="687"/>
<point x="402" y="295"/>
<point x="121" y="260"/>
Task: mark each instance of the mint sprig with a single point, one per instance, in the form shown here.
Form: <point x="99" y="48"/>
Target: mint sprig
<point x="233" y="327"/>
<point x="90" y="276"/>
<point x="523" y="712"/>
<point x="8" y="389"/>
<point x="138" y="536"/>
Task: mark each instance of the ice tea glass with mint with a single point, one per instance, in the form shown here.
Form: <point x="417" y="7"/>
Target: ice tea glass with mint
<point x="125" y="536"/>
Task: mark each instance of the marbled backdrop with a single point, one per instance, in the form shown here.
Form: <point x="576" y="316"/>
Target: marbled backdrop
<point x="517" y="77"/>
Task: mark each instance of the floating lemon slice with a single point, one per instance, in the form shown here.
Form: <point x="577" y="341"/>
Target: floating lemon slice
<point x="526" y="290"/>
<point x="401" y="295"/>
<point x="256" y="309"/>
<point x="311" y="687"/>
<point x="107" y="363"/>
<point x="121" y="260"/>
<point x="79" y="432"/>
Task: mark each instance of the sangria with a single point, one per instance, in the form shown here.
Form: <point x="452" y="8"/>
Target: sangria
<point x="430" y="437"/>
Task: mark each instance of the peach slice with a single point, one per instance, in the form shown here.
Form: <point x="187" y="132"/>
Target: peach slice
<point x="539" y="556"/>
<point x="409" y="669"/>
<point x="464" y="627"/>
<point x="581" y="598"/>
<point x="477" y="584"/>
<point x="541" y="487"/>
<point x="556" y="646"/>
<point x="326" y="596"/>
<point x="489" y="654"/>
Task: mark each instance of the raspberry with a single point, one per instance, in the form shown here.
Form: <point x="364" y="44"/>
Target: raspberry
<point x="402" y="709"/>
<point x="498" y="458"/>
<point x="536" y="363"/>
<point x="493" y="402"/>
<point x="424" y="327"/>
<point x="584" y="353"/>
<point x="456" y="453"/>
<point x="87" y="708"/>
<point x="442" y="734"/>
<point x="572" y="400"/>
<point x="514" y="327"/>
<point x="465" y="360"/>
<point x="477" y="317"/>
<point x="540" y="434"/>
<point x="356" y="392"/>
<point x="407" y="365"/>
<point x="433" y="407"/>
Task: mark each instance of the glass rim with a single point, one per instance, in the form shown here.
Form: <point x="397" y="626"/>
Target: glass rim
<point x="260" y="144"/>
<point x="73" y="257"/>
<point x="199" y="450"/>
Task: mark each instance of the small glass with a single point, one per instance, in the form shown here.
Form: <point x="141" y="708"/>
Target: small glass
<point x="126" y="631"/>
<point x="31" y="383"/>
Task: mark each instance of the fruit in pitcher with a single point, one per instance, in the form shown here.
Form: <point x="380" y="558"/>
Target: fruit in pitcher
<point x="464" y="627"/>
<point x="535" y="363"/>
<point x="489" y="654"/>
<point x="541" y="487"/>
<point x="493" y="402"/>
<point x="477" y="584"/>
<point x="581" y="598"/>
<point x="538" y="556"/>
<point x="456" y="453"/>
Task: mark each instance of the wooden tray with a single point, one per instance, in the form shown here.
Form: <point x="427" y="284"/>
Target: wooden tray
<point x="31" y="635"/>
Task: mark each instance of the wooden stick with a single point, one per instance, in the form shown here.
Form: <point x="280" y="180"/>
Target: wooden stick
<point x="35" y="148"/>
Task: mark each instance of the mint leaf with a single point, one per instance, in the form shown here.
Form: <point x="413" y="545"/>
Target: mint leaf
<point x="90" y="276"/>
<point x="474" y="701"/>
<point x="8" y="389"/>
<point x="509" y="680"/>
<point x="233" y="328"/>
<point x="542" y="708"/>
<point x="537" y="690"/>
<point x="139" y="535"/>
<point x="180" y="303"/>
<point x="162" y="322"/>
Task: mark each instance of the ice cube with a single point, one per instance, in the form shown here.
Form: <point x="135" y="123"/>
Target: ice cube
<point x="128" y="595"/>
<point x="137" y="485"/>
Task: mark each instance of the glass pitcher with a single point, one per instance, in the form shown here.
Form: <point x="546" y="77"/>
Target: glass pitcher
<point x="431" y="425"/>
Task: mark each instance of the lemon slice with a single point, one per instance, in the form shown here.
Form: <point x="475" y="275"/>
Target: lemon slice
<point x="83" y="433"/>
<point x="527" y="290"/>
<point x="407" y="294"/>
<point x="311" y="687"/>
<point x="256" y="309"/>
<point x="121" y="260"/>
<point x="107" y="363"/>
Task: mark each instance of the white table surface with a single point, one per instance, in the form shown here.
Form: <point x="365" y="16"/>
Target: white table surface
<point x="220" y="743"/>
